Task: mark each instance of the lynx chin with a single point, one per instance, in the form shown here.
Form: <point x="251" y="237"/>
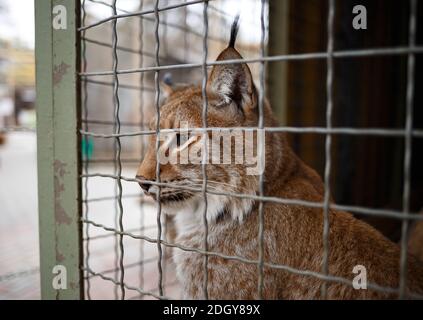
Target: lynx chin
<point x="292" y="233"/>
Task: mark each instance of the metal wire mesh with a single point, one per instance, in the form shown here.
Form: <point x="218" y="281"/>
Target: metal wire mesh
<point x="155" y="16"/>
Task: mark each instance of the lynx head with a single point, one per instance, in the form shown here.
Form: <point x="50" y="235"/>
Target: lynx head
<point x="232" y="101"/>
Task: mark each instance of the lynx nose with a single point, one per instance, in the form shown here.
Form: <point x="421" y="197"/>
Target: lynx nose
<point x="144" y="186"/>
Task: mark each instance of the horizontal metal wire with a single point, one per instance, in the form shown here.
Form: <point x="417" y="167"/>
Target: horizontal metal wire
<point x="147" y="293"/>
<point x="108" y="235"/>
<point x="165" y="284"/>
<point x="16" y="275"/>
<point x="315" y="130"/>
<point x="354" y="209"/>
<point x="168" y="24"/>
<point x="16" y="129"/>
<point x="287" y="57"/>
<point x="228" y="17"/>
<point x="111" y="123"/>
<point x="221" y="12"/>
<point x="126" y="196"/>
<point x="102" y="3"/>
<point x="123" y="160"/>
<point x="292" y="270"/>
<point x="141" y="13"/>
<point x="126" y="267"/>
<point x="121" y="85"/>
<point x="182" y="28"/>
<point x="330" y="278"/>
<point x="120" y="48"/>
<point x="217" y="10"/>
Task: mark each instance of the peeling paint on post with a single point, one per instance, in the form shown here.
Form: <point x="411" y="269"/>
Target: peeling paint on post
<point x="57" y="62"/>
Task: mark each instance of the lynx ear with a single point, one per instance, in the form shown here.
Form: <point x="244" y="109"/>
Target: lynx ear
<point x="233" y="82"/>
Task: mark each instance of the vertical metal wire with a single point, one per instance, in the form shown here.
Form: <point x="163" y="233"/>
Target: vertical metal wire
<point x="157" y="104"/>
<point x="328" y="143"/>
<point x="260" y="151"/>
<point x="165" y="223"/>
<point x="115" y="202"/>
<point x="142" y="117"/>
<point x="186" y="52"/>
<point x="408" y="148"/>
<point x="118" y="148"/>
<point x="205" y="148"/>
<point x="86" y="163"/>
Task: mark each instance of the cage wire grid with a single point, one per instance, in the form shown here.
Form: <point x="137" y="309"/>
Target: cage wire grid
<point x="118" y="231"/>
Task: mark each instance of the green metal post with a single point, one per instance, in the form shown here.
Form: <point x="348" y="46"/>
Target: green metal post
<point x="57" y="62"/>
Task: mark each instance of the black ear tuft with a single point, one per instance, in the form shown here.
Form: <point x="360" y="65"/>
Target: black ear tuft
<point x="234" y="32"/>
<point x="233" y="82"/>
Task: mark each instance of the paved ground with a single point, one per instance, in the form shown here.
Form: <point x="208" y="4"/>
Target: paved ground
<point x="18" y="218"/>
<point x="19" y="253"/>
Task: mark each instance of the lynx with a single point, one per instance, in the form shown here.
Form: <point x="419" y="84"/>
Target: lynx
<point x="292" y="233"/>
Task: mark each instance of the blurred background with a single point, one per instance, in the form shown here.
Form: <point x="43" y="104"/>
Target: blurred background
<point x="19" y="260"/>
<point x="370" y="92"/>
